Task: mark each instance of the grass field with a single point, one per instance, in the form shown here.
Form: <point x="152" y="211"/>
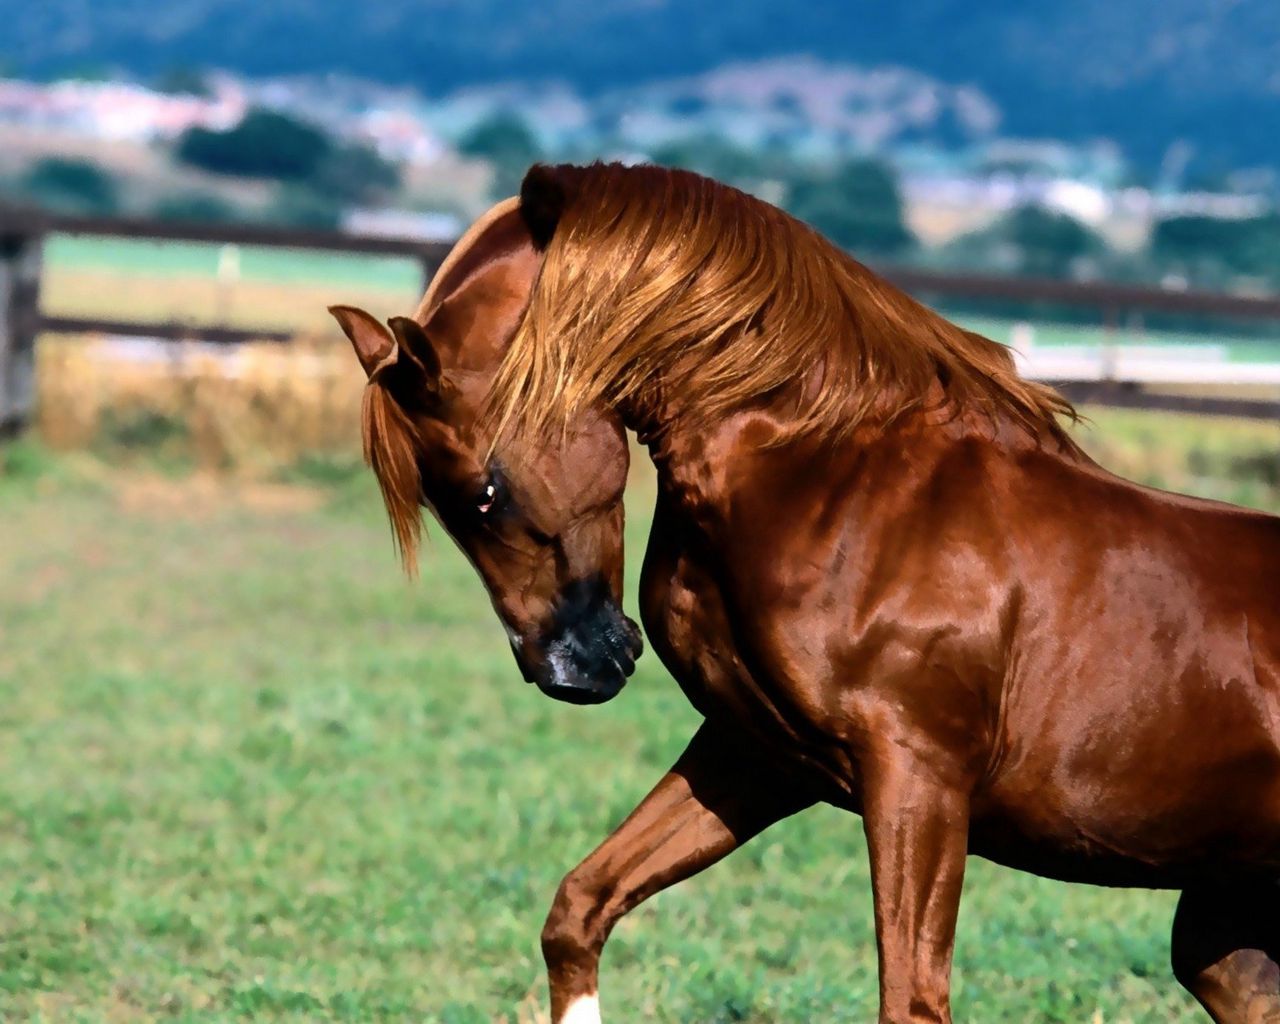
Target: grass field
<point x="247" y="772"/>
<point x="276" y="288"/>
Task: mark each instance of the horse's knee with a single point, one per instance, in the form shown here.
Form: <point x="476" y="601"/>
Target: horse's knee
<point x="578" y="922"/>
<point x="1226" y="952"/>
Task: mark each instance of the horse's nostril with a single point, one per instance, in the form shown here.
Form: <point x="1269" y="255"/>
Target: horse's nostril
<point x="623" y="638"/>
<point x="626" y="663"/>
<point x="635" y="639"/>
<point x="589" y="642"/>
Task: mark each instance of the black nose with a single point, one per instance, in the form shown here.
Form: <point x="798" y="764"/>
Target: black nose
<point x="591" y="647"/>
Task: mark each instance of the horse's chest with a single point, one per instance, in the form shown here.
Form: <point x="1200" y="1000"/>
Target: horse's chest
<point x="685" y="618"/>
<point x="691" y="630"/>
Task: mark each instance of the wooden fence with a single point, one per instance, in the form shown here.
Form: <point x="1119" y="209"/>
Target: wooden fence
<point x="22" y="320"/>
<point x="23" y="232"/>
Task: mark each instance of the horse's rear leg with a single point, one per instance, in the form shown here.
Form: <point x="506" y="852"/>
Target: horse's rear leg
<point x="716" y="797"/>
<point x="1226" y="950"/>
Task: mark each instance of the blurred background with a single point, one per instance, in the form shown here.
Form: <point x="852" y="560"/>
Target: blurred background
<point x="246" y="770"/>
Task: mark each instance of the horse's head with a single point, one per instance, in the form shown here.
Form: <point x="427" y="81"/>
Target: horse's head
<point x="541" y="521"/>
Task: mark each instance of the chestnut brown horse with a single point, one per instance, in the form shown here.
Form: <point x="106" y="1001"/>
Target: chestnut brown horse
<point x="879" y="569"/>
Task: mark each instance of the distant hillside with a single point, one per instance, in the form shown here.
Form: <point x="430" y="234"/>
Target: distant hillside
<point x="1142" y="71"/>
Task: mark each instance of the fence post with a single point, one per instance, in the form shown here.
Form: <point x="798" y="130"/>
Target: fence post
<point x="20" y="257"/>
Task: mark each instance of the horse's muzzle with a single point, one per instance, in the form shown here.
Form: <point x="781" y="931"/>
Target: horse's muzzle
<point x="590" y="648"/>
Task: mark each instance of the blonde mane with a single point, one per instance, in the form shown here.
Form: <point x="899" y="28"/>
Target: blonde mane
<point x="391" y="452"/>
<point x="389" y="439"/>
<point x="664" y="285"/>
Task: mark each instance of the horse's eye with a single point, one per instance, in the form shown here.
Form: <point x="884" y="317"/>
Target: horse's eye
<point x="488" y="498"/>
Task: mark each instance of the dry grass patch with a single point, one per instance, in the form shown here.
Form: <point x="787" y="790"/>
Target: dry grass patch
<point x="255" y="408"/>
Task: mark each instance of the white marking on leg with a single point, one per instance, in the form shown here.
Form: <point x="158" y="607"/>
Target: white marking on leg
<point x="583" y="1010"/>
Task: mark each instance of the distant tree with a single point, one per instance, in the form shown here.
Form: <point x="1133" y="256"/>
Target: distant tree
<point x="714" y="156"/>
<point x="1190" y="239"/>
<point x="356" y="174"/>
<point x="506" y="143"/>
<point x="301" y="206"/>
<point x="1207" y="247"/>
<point x="501" y="136"/>
<point x="1033" y="241"/>
<point x="75" y="186"/>
<point x="1049" y="244"/>
<point x="1261" y="251"/>
<point x="265" y="144"/>
<point x="196" y="208"/>
<point x="858" y="206"/>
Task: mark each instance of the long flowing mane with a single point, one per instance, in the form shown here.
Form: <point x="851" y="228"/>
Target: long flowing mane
<point x="658" y="278"/>
<point x="389" y="450"/>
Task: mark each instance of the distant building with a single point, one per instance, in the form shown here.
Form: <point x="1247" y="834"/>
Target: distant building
<point x="115" y="110"/>
<point x="428" y="227"/>
<point x="399" y="136"/>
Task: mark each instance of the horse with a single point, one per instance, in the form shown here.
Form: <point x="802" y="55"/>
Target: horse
<point x="879" y="567"/>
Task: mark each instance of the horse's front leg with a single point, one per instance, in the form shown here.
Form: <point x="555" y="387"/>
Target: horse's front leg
<point x="916" y="817"/>
<point x="719" y="794"/>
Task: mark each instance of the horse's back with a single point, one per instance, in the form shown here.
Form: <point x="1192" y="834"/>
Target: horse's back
<point x="1187" y="582"/>
<point x="1141" y="721"/>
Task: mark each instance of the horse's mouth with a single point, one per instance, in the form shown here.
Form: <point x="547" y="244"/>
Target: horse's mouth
<point x="582" y="691"/>
<point x="591" y="665"/>
<point x="590" y="652"/>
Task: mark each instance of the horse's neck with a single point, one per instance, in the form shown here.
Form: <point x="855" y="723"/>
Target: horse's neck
<point x="706" y="470"/>
<point x="702" y="469"/>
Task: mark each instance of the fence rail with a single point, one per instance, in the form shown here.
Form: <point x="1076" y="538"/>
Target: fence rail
<point x="1106" y="297"/>
<point x="172" y="330"/>
<point x="1131" y="395"/>
<point x="24" y="221"/>
<point x="22" y="234"/>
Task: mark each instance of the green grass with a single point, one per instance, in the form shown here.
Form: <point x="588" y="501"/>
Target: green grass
<point x="257" y="263"/>
<point x="247" y="772"/>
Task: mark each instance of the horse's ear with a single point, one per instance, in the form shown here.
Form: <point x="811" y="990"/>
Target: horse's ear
<point x="544" y="194"/>
<point x="373" y="342"/>
<point x="414" y="343"/>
